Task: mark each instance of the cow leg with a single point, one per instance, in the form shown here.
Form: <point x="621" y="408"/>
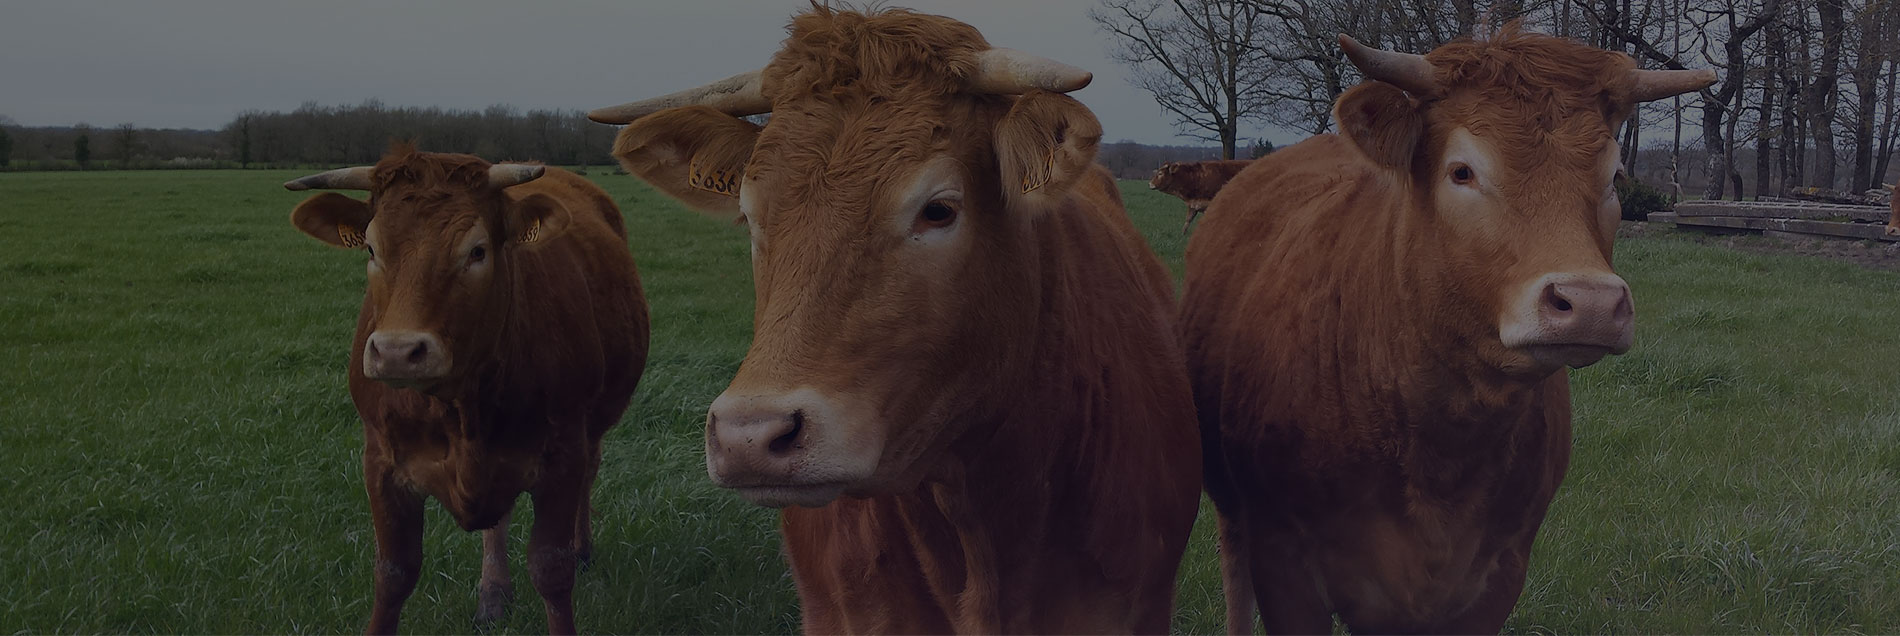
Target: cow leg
<point x="584" y="513"/>
<point x="396" y="514"/>
<point x="1493" y="608"/>
<point x="1236" y="577"/>
<point x="497" y="590"/>
<point x="1290" y="599"/>
<point x="551" y="548"/>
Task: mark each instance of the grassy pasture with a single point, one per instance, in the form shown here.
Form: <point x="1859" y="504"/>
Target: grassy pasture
<point x="178" y="452"/>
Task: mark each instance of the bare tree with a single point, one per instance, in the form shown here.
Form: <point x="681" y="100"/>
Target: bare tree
<point x="1197" y="57"/>
<point x="125" y="141"/>
<point x="1824" y="90"/>
<point x="1875" y="33"/>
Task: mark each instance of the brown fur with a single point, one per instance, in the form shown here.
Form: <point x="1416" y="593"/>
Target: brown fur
<point x="1373" y="449"/>
<point x="547" y="355"/>
<point x="1041" y="471"/>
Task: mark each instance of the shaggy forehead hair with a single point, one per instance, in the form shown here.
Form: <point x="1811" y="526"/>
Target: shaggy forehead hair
<point x="856" y="94"/>
<point x="1540" y="98"/>
<point x="889" y="54"/>
<point x="404" y="167"/>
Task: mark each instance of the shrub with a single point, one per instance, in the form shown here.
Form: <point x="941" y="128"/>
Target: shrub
<point x="1640" y="199"/>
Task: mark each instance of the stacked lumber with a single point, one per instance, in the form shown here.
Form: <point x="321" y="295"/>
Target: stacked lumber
<point x="1798" y="217"/>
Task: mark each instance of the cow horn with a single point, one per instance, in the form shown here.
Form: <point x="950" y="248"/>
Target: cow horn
<point x="738" y="96"/>
<point x="1408" y="71"/>
<point x="1011" y="72"/>
<point x="356" y="178"/>
<point x="502" y="175"/>
<point x="1654" y="85"/>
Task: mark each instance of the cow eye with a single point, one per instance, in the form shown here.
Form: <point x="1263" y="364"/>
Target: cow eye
<point x="936" y="214"/>
<point x="477" y="255"/>
<point x="1462" y="175"/>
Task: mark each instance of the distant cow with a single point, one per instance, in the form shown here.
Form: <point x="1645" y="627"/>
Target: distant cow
<point x="502" y="334"/>
<point x="964" y="363"/>
<point x="1195" y="182"/>
<point x="1377" y="325"/>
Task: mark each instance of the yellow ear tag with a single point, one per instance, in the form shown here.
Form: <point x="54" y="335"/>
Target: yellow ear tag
<point x="349" y="236"/>
<point x="534" y="231"/>
<point x="1035" y="181"/>
<point x="717" y="181"/>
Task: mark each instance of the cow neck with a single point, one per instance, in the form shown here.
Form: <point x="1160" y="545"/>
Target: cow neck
<point x="1469" y="408"/>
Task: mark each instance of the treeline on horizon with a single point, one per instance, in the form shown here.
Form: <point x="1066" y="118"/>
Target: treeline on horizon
<point x="316" y="136"/>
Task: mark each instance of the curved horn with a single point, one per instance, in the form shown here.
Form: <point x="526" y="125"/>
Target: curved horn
<point x="738" y="96"/>
<point x="502" y="175"/>
<point x="1654" y="85"/>
<point x="356" y="178"/>
<point x="1012" y="72"/>
<point x="1407" y="71"/>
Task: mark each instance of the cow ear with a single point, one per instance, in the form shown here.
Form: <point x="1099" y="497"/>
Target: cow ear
<point x="694" y="154"/>
<point x="1044" y="145"/>
<point x="333" y="218"/>
<point x="1384" y="122"/>
<point x="536" y="218"/>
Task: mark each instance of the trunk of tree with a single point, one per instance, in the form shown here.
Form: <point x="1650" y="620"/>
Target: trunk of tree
<point x="1734" y="122"/>
<point x="1871" y="56"/>
<point x="1632" y="135"/>
<point x="1716" y="106"/>
<point x="1893" y="111"/>
<point x="1797" y="117"/>
<point x="1822" y="92"/>
<point x="1715" y="148"/>
<point x="1765" y="133"/>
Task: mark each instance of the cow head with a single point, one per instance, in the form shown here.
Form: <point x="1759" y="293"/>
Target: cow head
<point x="889" y="199"/>
<point x="439" y="234"/>
<point x="1164" y="176"/>
<point x="1507" y="147"/>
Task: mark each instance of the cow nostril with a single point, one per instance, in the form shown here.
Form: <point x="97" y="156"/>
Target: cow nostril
<point x="1555" y="300"/>
<point x="419" y="353"/>
<point x="785" y="443"/>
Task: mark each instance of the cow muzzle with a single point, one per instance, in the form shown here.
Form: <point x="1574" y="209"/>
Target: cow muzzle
<point x="1571" y="320"/>
<point x="405" y="359"/>
<point x="1893" y="230"/>
<point x="794" y="448"/>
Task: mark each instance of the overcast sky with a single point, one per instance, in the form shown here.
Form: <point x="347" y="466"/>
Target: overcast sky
<point x="197" y="63"/>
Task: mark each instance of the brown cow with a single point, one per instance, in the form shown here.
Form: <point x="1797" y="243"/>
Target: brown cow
<point x="503" y="333"/>
<point x="964" y="366"/>
<point x="1195" y="182"/>
<point x="1377" y="327"/>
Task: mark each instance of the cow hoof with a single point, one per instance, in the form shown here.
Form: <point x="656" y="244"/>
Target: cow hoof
<point x="492" y="606"/>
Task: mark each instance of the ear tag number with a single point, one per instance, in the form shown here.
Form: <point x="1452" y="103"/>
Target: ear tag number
<point x="534" y="231"/>
<point x="349" y="236"/>
<point x="724" y="181"/>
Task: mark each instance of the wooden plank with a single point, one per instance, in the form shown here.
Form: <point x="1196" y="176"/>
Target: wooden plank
<point x="1862" y="231"/>
<point x="1782" y="210"/>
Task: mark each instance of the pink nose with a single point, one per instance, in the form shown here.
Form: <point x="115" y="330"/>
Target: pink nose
<point x="1589" y="311"/>
<point x="756" y="440"/>
<point x="1893" y="230"/>
<point x="404" y="356"/>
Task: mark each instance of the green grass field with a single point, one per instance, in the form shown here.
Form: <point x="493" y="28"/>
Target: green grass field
<point x="178" y="452"/>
